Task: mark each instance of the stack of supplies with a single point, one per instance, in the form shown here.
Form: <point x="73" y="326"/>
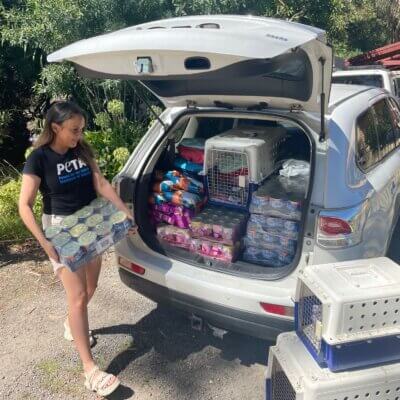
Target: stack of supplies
<point x="89" y="232"/>
<point x="217" y="233"/>
<point x="175" y="200"/>
<point x="177" y="237"/>
<point x="191" y="156"/>
<point x="171" y="214"/>
<point x="276" y="209"/>
<point x="178" y="189"/>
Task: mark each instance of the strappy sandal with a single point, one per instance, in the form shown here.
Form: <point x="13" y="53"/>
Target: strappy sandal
<point x="68" y="334"/>
<point x="99" y="382"/>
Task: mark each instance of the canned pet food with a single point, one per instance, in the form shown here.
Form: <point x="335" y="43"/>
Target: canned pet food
<point x="88" y="241"/>
<point x="69" y="222"/>
<point x="94" y="220"/>
<point x="103" y="229"/>
<point x="84" y="212"/>
<point x="52" y="231"/>
<point x="71" y="253"/>
<point x="98" y="203"/>
<point x="107" y="210"/>
<point x="61" y="239"/>
<point x="78" y="230"/>
<point x="119" y="222"/>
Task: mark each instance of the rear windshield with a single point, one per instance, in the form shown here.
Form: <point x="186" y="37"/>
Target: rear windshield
<point x="367" y="80"/>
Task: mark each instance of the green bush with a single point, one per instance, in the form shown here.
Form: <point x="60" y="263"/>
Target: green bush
<point x="11" y="225"/>
<point x="115" y="138"/>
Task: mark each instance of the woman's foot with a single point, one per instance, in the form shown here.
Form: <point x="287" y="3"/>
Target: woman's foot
<point x="68" y="334"/>
<point x="101" y="382"/>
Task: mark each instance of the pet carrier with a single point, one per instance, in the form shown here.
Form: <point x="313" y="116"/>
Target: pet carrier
<point x="238" y="159"/>
<point x="294" y="375"/>
<point x="348" y="314"/>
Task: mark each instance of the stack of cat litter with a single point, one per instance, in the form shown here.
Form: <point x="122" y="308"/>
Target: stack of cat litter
<point x="191" y="156"/>
<point x="217" y="233"/>
<point x="175" y="200"/>
<point x="88" y="233"/>
<point x="276" y="209"/>
<point x="347" y="325"/>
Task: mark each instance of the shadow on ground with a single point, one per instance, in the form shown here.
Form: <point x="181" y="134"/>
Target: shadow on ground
<point x="11" y="253"/>
<point x="169" y="334"/>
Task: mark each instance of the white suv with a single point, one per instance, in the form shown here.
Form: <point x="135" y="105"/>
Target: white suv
<point x="370" y="75"/>
<point x="215" y="73"/>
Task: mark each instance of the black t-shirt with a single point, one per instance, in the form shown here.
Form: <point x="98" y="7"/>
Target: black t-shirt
<point x="66" y="181"/>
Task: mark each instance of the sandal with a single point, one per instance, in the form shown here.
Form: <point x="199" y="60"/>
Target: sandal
<point x="68" y="334"/>
<point x="99" y="382"/>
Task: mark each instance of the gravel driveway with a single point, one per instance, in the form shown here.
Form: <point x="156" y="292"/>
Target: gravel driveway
<point x="153" y="350"/>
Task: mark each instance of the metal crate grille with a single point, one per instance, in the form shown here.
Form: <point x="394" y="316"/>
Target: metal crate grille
<point x="310" y="314"/>
<point x="280" y="386"/>
<point x="228" y="177"/>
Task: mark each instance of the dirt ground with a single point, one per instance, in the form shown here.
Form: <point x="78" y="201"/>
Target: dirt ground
<point x="153" y="350"/>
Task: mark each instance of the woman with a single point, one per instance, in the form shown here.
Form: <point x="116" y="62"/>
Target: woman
<point x="63" y="169"/>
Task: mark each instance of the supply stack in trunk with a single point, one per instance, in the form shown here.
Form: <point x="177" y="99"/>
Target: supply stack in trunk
<point x="276" y="210"/>
<point x="347" y="332"/>
<point x="203" y="205"/>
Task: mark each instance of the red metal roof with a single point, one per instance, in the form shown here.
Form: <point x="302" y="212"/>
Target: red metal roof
<point x="388" y="56"/>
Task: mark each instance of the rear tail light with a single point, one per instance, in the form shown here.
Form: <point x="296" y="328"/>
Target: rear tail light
<point x="277" y="309"/>
<point x="137" y="269"/>
<point x="342" y="228"/>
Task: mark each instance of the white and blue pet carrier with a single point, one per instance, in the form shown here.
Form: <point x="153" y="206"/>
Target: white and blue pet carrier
<point x="294" y="375"/>
<point x="348" y="314"/>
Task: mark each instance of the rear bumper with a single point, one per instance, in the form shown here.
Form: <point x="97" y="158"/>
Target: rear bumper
<point x="252" y="324"/>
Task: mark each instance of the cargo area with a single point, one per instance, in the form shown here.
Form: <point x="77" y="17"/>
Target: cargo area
<point x="228" y="193"/>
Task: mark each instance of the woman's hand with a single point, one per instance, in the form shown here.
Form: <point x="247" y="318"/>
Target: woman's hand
<point x="50" y="251"/>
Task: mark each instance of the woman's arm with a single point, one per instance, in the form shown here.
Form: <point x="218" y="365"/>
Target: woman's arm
<point x="29" y="188"/>
<point x="104" y="188"/>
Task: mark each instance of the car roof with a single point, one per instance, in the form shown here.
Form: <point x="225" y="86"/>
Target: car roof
<point x="372" y="71"/>
<point x="341" y="92"/>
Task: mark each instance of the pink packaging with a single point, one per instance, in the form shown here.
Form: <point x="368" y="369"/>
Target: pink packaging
<point x="215" y="250"/>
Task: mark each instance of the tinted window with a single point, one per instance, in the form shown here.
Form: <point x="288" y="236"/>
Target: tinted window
<point x="368" y="80"/>
<point x="367" y="141"/>
<point x="395" y="113"/>
<point x="384" y="126"/>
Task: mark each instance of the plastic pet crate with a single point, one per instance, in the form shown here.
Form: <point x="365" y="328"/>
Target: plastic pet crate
<point x="348" y="314"/>
<point x="239" y="159"/>
<point x="293" y="374"/>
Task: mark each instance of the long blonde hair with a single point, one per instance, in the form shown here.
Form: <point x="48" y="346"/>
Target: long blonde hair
<point x="59" y="112"/>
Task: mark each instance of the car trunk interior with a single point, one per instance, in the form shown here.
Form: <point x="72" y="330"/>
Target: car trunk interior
<point x="221" y="191"/>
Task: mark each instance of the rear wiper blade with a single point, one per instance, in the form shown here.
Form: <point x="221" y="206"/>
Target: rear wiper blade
<point x="262" y="105"/>
<point x="223" y="104"/>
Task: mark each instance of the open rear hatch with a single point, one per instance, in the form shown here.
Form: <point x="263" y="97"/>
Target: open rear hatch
<point x="236" y="59"/>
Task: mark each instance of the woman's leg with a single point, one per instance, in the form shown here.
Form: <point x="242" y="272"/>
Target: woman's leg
<point x="92" y="276"/>
<point x="75" y="287"/>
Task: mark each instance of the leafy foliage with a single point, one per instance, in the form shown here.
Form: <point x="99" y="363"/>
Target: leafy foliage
<point x="115" y="138"/>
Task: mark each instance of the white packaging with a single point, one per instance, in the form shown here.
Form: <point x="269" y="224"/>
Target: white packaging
<point x="294" y="375"/>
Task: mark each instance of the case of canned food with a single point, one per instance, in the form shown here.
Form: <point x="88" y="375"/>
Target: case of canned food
<point x="219" y="224"/>
<point x="88" y="233"/>
<point x="279" y="196"/>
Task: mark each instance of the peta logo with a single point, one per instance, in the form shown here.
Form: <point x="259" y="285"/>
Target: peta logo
<point x="70" y="166"/>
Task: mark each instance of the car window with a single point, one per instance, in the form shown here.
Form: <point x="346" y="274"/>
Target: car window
<point x="397" y="86"/>
<point x="367" y="151"/>
<point x="386" y="136"/>
<point x="395" y="114"/>
<point x="368" y="80"/>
